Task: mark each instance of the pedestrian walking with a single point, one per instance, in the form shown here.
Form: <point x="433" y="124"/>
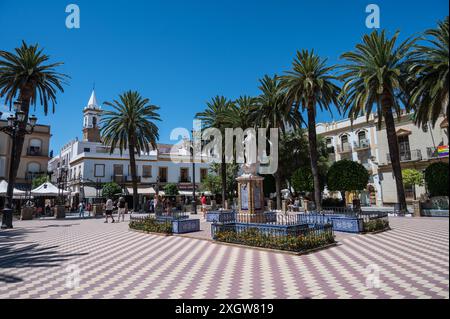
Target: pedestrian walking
<point x="122" y="206"/>
<point x="81" y="209"/>
<point x="203" y="202"/>
<point x="109" y="206"/>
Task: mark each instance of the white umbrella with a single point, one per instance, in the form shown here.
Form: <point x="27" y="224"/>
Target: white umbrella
<point x="4" y="188"/>
<point x="48" y="189"/>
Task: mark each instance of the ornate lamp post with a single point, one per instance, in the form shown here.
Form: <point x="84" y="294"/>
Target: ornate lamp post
<point x="14" y="129"/>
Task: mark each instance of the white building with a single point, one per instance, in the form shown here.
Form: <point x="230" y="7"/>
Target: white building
<point x="88" y="163"/>
<point x="363" y="142"/>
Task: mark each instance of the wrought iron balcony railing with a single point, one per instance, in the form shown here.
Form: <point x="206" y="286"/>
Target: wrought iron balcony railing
<point x="184" y="179"/>
<point x="362" y="145"/>
<point x="344" y="148"/>
<point x="407" y="156"/>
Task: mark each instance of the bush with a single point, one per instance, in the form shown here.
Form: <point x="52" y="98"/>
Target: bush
<point x="151" y="225"/>
<point x="171" y="189"/>
<point x="110" y="190"/>
<point x="376" y="225"/>
<point x="436" y="179"/>
<point x="346" y="175"/>
<point x="39" y="180"/>
<point x="302" y="180"/>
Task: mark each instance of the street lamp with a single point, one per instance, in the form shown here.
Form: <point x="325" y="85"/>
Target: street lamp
<point x="16" y="127"/>
<point x="193" y="174"/>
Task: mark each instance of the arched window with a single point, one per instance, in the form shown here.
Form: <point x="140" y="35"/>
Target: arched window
<point x="94" y="121"/>
<point x="361" y="136"/>
<point x="33" y="167"/>
<point x="35" y="147"/>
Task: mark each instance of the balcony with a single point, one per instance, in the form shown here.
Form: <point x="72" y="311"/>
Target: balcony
<point x="362" y="145"/>
<point x="344" y="148"/>
<point x="407" y="156"/>
<point x="124" y="179"/>
<point x="184" y="179"/>
<point x="33" y="151"/>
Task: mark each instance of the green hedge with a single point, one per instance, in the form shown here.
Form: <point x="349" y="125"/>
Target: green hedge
<point x="376" y="225"/>
<point x="151" y="225"/>
<point x="253" y="237"/>
<point x="436" y="178"/>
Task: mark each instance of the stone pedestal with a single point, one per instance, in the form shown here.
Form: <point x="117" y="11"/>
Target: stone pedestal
<point x="27" y="213"/>
<point x="416" y="208"/>
<point x="60" y="211"/>
<point x="250" y="195"/>
<point x="97" y="210"/>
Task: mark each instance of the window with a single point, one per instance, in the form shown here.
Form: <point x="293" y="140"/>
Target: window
<point x="203" y="174"/>
<point x="361" y="136"/>
<point x="94" y="121"/>
<point x="87" y="149"/>
<point x="404" y="149"/>
<point x="344" y="143"/>
<point x="34" y="167"/>
<point x="146" y="171"/>
<point x="329" y="143"/>
<point x="35" y="147"/>
<point x="118" y="169"/>
<point x="99" y="170"/>
<point x="184" y="175"/>
<point x="163" y="174"/>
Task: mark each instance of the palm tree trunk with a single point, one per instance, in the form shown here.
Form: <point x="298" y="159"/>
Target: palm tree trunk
<point x="395" y="156"/>
<point x="223" y="175"/>
<point x="133" y="173"/>
<point x="313" y="155"/>
<point x="278" y="189"/>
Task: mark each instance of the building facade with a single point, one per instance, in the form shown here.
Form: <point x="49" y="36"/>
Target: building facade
<point x="88" y="162"/>
<point x="362" y="141"/>
<point x="34" y="159"/>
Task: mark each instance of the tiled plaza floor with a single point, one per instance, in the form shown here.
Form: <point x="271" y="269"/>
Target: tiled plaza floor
<point x="41" y="259"/>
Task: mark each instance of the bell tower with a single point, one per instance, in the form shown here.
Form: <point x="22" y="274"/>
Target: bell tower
<point x="91" y="119"/>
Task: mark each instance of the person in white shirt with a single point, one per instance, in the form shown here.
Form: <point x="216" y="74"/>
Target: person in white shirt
<point x="109" y="207"/>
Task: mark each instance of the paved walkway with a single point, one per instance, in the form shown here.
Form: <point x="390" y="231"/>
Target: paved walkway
<point x="41" y="259"/>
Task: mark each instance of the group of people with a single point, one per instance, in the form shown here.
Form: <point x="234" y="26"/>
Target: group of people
<point x="121" y="206"/>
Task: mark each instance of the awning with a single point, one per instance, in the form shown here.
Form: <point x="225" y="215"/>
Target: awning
<point x="142" y="191"/>
<point x="189" y="193"/>
<point x="48" y="189"/>
<point x="91" y="192"/>
<point x="4" y="189"/>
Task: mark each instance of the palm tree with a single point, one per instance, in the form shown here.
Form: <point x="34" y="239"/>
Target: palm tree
<point x="274" y="112"/>
<point x="130" y="125"/>
<point x="26" y="74"/>
<point x="375" y="76"/>
<point x="429" y="69"/>
<point x="242" y="113"/>
<point x="309" y="84"/>
<point x="215" y="116"/>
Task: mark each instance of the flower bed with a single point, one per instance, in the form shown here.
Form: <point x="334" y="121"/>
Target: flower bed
<point x="297" y="239"/>
<point x="151" y="225"/>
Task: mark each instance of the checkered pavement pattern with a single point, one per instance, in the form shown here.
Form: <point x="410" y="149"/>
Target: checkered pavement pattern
<point x="89" y="259"/>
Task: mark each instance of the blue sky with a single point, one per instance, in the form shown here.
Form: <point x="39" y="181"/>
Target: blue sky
<point x="181" y="53"/>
